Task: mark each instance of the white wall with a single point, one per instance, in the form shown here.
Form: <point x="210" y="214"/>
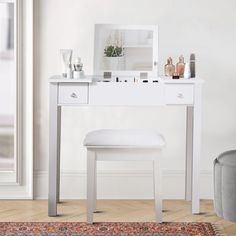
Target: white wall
<point x="204" y="27"/>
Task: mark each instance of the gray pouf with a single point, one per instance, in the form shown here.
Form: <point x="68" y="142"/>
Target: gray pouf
<point x="225" y="185"/>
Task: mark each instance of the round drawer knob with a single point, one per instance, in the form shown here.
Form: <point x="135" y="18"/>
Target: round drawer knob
<point x="74" y="95"/>
<point x="180" y="95"/>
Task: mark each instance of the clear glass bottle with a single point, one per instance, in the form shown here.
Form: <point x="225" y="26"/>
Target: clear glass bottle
<point x="169" y="67"/>
<point x="180" y="66"/>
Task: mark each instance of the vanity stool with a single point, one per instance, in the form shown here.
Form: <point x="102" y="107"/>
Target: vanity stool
<point x="123" y="145"/>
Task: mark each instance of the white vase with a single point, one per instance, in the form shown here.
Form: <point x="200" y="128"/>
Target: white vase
<point x="114" y="63"/>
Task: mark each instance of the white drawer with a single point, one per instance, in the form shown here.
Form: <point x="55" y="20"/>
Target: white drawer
<point x="73" y="94"/>
<point x="179" y="93"/>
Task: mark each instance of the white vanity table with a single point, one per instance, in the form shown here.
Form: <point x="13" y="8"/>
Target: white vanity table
<point x="165" y="92"/>
<point x="134" y="54"/>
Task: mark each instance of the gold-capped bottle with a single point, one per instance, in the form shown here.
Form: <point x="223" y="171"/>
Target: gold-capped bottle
<point x="180" y="66"/>
<point x="169" y="67"/>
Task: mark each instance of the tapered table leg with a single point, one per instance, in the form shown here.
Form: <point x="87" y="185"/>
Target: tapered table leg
<point x="197" y="133"/>
<point x="54" y="151"/>
<point x="157" y="189"/>
<point x="189" y="154"/>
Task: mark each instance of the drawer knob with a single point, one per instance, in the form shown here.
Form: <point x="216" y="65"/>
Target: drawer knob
<point x="180" y="95"/>
<point x="74" y="95"/>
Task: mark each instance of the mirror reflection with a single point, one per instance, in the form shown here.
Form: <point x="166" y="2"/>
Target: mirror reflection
<point x="124" y="49"/>
<point x="7" y="86"/>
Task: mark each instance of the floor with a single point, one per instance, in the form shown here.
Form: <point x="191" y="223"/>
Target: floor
<point x="111" y="210"/>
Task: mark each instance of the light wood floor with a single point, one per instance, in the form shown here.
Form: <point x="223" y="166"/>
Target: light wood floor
<point x="111" y="210"/>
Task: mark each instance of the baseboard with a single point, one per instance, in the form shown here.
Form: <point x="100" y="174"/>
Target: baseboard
<point x="14" y="192"/>
<point x="122" y="184"/>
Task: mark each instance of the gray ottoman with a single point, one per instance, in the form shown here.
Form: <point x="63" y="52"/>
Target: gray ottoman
<point x="225" y="185"/>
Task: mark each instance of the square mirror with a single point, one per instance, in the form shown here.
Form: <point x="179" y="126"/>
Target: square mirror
<point x="126" y="50"/>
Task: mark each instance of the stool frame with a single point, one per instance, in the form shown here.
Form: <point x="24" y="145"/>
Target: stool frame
<point x="122" y="153"/>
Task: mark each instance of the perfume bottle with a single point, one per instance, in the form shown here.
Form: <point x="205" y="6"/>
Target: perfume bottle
<point x="169" y="67"/>
<point x="180" y="66"/>
<point x="192" y="65"/>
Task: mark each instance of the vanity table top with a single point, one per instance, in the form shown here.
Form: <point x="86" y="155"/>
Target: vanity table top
<point x="94" y="78"/>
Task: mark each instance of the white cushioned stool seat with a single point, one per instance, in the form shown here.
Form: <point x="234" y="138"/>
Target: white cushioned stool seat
<point x="129" y="137"/>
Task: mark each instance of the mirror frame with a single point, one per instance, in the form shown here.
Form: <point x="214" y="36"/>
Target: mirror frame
<point x="13" y="177"/>
<point x="151" y="73"/>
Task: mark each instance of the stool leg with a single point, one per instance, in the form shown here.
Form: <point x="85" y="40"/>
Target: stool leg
<point x="90" y="185"/>
<point x="95" y="186"/>
<point x="157" y="190"/>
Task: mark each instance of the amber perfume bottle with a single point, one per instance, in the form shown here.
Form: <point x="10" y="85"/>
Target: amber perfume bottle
<point x="180" y="66"/>
<point x="169" y="67"/>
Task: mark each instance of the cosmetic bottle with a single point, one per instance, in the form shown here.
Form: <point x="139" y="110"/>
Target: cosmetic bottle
<point x="78" y="72"/>
<point x="180" y="66"/>
<point x="66" y="55"/>
<point x="175" y="75"/>
<point x="187" y="74"/>
<point x="69" y="72"/>
<point x="169" y="67"/>
<point x="192" y="65"/>
<point x="78" y="66"/>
